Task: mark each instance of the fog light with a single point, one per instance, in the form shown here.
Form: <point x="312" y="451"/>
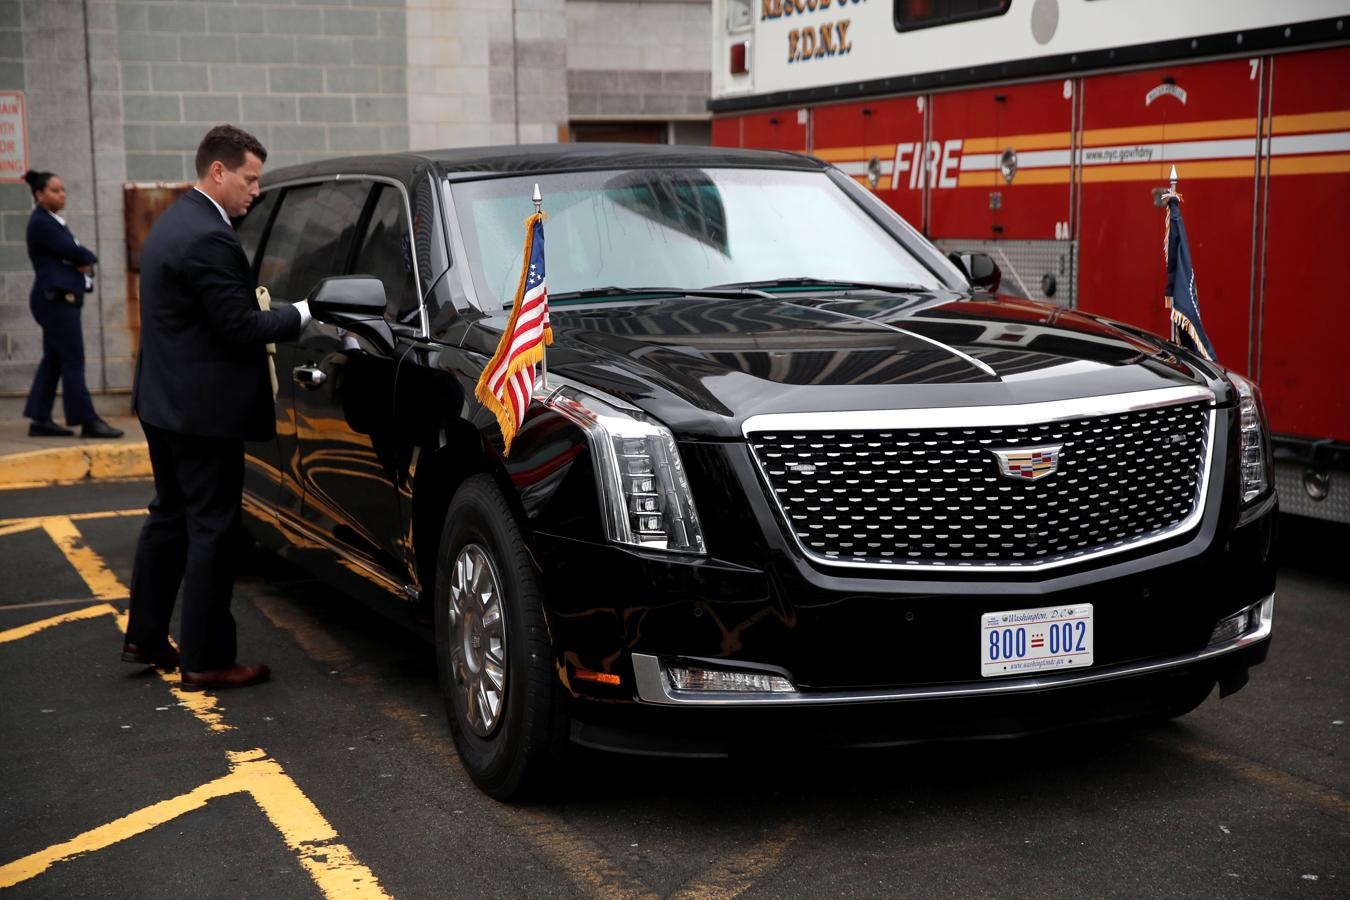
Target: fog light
<point x="1229" y="629"/>
<point x="689" y="679"/>
<point x="1245" y="622"/>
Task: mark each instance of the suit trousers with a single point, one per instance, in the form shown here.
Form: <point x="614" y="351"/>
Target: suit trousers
<point x="62" y="360"/>
<point x="191" y="537"/>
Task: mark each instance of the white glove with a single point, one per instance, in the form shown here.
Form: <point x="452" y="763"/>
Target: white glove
<point x="303" y="308"/>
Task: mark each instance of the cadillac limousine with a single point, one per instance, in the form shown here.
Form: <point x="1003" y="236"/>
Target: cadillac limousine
<point x="790" y="470"/>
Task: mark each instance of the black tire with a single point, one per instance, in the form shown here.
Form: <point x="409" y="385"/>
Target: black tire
<point x="521" y="749"/>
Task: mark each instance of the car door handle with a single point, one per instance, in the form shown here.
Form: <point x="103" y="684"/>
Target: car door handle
<point x="309" y="377"/>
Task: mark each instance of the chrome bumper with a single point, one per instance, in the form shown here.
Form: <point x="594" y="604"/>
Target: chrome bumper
<point x="654" y="685"/>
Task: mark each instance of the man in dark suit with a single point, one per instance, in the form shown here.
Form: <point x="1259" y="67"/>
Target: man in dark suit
<point x="202" y="388"/>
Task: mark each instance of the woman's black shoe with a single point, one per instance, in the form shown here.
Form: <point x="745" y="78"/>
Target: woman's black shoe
<point x="99" y="429"/>
<point x="48" y="428"/>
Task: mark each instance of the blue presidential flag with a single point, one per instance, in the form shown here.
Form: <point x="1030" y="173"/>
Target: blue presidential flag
<point x="1183" y="303"/>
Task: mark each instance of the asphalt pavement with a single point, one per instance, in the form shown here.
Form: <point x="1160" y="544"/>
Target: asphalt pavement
<point x="338" y="778"/>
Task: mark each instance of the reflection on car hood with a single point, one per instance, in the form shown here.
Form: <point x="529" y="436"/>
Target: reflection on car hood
<point x="702" y="366"/>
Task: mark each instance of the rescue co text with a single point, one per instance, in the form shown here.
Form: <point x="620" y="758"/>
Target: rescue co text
<point x="815" y="41"/>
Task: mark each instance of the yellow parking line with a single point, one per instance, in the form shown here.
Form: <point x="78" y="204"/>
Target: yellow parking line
<point x="16" y="527"/>
<point x="32" y="628"/>
<point x="1306" y="793"/>
<point x="737" y="873"/>
<point x="37" y="604"/>
<point x="580" y="860"/>
<point x="329" y="862"/>
<point x="35" y="521"/>
<point x="89" y="564"/>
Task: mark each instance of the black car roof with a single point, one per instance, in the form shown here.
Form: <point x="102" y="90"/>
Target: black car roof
<point x="517" y="159"/>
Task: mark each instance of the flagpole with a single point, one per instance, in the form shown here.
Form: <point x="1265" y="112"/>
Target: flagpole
<point x="1171" y="322"/>
<point x="538" y="199"/>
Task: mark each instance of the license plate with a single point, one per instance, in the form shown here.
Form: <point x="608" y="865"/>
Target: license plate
<point x="1025" y="641"/>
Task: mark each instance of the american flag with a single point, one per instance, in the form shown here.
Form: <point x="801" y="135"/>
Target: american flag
<point x="508" y="381"/>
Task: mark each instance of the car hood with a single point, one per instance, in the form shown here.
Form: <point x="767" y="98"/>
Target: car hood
<point x="702" y="366"/>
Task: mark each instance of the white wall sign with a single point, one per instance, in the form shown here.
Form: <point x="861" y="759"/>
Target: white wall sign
<point x="13" y="137"/>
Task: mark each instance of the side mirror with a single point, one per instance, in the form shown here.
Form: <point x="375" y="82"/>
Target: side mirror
<point x="979" y="269"/>
<point x="336" y="300"/>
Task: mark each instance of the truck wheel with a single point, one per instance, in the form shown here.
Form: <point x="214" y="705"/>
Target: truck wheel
<point x="503" y="701"/>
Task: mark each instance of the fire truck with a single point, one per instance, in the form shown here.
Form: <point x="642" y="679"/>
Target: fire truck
<point x="1043" y="132"/>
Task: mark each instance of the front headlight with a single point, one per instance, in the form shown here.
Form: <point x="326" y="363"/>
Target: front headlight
<point x="1252" y="449"/>
<point x="644" y="492"/>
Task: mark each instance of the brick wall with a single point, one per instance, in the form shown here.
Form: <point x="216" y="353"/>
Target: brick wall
<point x="476" y="78"/>
<point x="635" y="60"/>
<point x="123" y="90"/>
<point x="310" y="79"/>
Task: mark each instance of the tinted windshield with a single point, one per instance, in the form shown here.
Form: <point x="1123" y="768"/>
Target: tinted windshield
<point x="680" y="228"/>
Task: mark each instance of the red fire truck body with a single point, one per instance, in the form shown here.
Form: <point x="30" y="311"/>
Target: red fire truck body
<point x="1046" y="140"/>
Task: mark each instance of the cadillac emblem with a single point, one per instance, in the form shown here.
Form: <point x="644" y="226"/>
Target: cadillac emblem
<point x="1028" y="463"/>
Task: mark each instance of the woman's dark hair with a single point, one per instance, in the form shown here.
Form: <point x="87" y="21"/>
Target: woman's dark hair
<point x="227" y="144"/>
<point x="37" y="181"/>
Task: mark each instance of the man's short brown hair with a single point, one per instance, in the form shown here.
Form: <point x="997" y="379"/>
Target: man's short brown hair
<point x="227" y="144"/>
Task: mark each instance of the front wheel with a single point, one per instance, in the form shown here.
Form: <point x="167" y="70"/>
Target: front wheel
<point x="492" y="646"/>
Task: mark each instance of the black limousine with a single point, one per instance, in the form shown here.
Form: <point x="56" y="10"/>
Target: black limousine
<point x="791" y="470"/>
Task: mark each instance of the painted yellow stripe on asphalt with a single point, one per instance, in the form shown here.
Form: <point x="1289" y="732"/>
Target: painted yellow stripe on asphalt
<point x="34" y="521"/>
<point x="739" y="871"/>
<point x="1024" y="176"/>
<point x="1305" y="793"/>
<point x="586" y="865"/>
<point x="106" y="835"/>
<point x="16" y="527"/>
<point x="330" y="863"/>
<point x="39" y="604"/>
<point x="87" y="563"/>
<point x="334" y="868"/>
<point x="32" y="628"/>
<point x="1047" y="140"/>
<point x="1331" y="163"/>
<point x="202" y="704"/>
<point x="1323" y="121"/>
<point x="1244" y="168"/>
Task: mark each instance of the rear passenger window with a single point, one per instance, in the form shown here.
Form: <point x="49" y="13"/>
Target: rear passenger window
<point x="250" y="230"/>
<point x="386" y="254"/>
<point x="311" y="237"/>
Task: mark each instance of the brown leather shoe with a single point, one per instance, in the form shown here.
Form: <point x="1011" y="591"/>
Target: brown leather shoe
<point x="164" y="658"/>
<point x="218" y="679"/>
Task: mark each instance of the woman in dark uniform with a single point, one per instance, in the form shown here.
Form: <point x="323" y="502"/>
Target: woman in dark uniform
<point x="62" y="267"/>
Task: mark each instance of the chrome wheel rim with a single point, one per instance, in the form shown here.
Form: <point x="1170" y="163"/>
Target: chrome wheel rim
<point x="478" y="639"/>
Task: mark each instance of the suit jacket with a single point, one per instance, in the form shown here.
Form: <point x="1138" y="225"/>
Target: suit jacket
<point x="55" y="254"/>
<point x="202" y="367"/>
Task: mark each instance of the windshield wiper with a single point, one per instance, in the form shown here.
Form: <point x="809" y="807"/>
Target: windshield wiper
<point x="612" y="290"/>
<point x="807" y="281"/>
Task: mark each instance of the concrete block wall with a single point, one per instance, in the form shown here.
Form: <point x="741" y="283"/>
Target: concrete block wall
<point x="638" y="60"/>
<point x="476" y="77"/>
<point x="311" y="80"/>
<point x="51" y="62"/>
<point x="122" y="90"/>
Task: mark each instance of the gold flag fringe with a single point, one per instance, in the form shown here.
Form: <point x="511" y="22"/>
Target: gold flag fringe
<point x="1184" y="323"/>
<point x="506" y="419"/>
